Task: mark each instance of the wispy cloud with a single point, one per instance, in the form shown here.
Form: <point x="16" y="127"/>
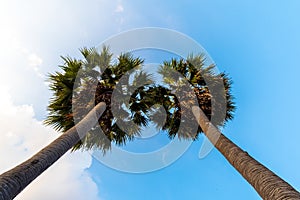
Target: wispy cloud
<point x="119" y="8"/>
<point x="34" y="60"/>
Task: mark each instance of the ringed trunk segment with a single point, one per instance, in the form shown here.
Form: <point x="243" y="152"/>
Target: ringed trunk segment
<point x="15" y="180"/>
<point x="267" y="184"/>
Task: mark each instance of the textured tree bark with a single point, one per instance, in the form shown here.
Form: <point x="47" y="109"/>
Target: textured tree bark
<point x="267" y="184"/>
<point x="15" y="180"/>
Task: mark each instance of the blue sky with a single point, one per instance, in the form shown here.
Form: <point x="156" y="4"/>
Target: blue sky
<point x="256" y="43"/>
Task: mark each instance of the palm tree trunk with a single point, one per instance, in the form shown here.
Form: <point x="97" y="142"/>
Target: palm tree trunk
<point x="267" y="184"/>
<point x="15" y="180"/>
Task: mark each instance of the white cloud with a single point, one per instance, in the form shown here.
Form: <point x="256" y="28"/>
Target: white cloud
<point x="34" y="60"/>
<point x="22" y="136"/>
<point x="21" y="71"/>
<point x="119" y="8"/>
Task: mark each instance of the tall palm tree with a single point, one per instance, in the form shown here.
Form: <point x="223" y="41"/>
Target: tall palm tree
<point x="268" y="185"/>
<point x="68" y="92"/>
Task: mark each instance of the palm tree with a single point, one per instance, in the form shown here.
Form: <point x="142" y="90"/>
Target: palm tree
<point x="265" y="182"/>
<point x="68" y="91"/>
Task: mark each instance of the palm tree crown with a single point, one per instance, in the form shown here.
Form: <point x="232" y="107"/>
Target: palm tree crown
<point x="82" y="79"/>
<point x="100" y="77"/>
<point x="190" y="78"/>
